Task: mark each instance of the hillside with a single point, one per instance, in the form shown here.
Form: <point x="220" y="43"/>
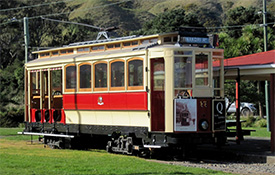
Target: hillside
<point x="131" y="15"/>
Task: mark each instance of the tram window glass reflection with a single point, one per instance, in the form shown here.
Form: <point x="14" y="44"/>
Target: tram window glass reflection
<point x="117" y="74"/>
<point x="135" y="73"/>
<point x="216" y="72"/>
<point x="85" y="76"/>
<point x="101" y="75"/>
<point x="159" y="76"/>
<point x="201" y="70"/>
<point x="57" y="81"/>
<point x="71" y="77"/>
<point x="183" y="72"/>
<point x="35" y="82"/>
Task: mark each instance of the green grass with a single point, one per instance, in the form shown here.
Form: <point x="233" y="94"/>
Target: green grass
<point x="19" y="157"/>
<point x="260" y="132"/>
<point x="10" y="131"/>
<point x="11" y="134"/>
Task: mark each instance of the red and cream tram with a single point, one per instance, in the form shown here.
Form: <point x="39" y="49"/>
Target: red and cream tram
<point x="134" y="93"/>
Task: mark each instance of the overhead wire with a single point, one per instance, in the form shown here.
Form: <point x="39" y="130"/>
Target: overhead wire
<point x="69" y="22"/>
<point x="31" y="6"/>
<point x="56" y="14"/>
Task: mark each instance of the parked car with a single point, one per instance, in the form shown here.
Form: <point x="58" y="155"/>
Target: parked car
<point x="246" y="108"/>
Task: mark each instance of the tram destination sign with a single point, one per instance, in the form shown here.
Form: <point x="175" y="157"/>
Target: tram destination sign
<point x="219" y="115"/>
<point x="194" y="40"/>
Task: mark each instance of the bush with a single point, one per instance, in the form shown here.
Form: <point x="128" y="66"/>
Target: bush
<point x="249" y="121"/>
<point x="261" y="123"/>
<point x="12" y="117"/>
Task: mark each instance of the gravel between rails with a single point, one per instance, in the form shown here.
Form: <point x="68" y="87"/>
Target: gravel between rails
<point x="230" y="167"/>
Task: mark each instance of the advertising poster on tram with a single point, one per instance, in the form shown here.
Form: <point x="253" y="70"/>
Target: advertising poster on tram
<point x="185" y="112"/>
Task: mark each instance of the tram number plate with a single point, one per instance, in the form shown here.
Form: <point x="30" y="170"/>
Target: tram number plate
<point x="219" y="115"/>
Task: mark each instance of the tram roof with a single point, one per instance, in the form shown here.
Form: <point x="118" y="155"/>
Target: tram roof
<point x="105" y="41"/>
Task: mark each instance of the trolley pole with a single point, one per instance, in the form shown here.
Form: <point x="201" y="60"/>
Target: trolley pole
<point x="26" y="37"/>
<point x="265" y="49"/>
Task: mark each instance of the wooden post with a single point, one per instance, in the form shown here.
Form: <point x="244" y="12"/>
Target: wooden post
<point x="272" y="111"/>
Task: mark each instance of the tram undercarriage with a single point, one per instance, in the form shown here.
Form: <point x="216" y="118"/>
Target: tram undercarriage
<point x="116" y="140"/>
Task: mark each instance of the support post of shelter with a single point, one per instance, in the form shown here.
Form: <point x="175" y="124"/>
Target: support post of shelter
<point x="238" y="123"/>
<point x="272" y="111"/>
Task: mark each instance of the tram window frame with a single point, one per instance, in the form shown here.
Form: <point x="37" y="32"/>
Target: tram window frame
<point x="83" y="50"/>
<point x="71" y="89"/>
<point x="130" y="43"/>
<point x="55" y="53"/>
<point x="133" y="87"/>
<point x="66" y="51"/>
<point x="217" y="90"/>
<point x="206" y="77"/>
<point x="189" y="60"/>
<point x="95" y="79"/>
<point x="113" y="87"/>
<point x="44" y="54"/>
<point x="84" y="89"/>
<point x="98" y="48"/>
<point x="35" y="83"/>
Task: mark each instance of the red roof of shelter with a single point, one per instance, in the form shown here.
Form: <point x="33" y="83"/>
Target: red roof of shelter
<point x="253" y="59"/>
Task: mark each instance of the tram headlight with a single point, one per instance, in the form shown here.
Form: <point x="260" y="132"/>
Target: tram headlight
<point x="204" y="125"/>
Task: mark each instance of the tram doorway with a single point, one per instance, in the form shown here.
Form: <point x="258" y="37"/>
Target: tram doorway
<point x="157" y="94"/>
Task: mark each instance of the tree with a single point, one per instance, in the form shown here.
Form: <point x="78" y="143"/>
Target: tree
<point x="169" y="21"/>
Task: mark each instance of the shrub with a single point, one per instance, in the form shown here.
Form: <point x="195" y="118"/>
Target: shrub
<point x="11" y="117"/>
<point x="249" y="121"/>
<point x="261" y="123"/>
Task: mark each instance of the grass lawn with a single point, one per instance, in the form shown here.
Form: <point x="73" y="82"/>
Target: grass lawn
<point x="260" y="132"/>
<point x="10" y="131"/>
<point x="21" y="157"/>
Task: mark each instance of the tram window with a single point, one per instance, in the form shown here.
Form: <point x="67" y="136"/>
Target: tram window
<point x="56" y="82"/>
<point x="180" y="52"/>
<point x="83" y="49"/>
<point x="70" y="51"/>
<point x="117" y="45"/>
<point x="35" y="82"/>
<point x="55" y="53"/>
<point x="110" y="46"/>
<point x="70" y="78"/>
<point x="126" y="44"/>
<point x="201" y="70"/>
<point x="85" y="76"/>
<point x="183" y="72"/>
<point x="159" y="76"/>
<point x="216" y="72"/>
<point x="46" y="54"/>
<point x="45" y="82"/>
<point x="97" y="48"/>
<point x="100" y="75"/>
<point x="135" y="73"/>
<point x="117" y="74"/>
<point x="134" y="43"/>
<point x="167" y="39"/>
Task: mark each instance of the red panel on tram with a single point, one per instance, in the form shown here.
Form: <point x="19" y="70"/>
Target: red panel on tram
<point x="106" y="101"/>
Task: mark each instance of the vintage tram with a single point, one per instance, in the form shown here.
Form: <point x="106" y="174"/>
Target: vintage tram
<point x="132" y="93"/>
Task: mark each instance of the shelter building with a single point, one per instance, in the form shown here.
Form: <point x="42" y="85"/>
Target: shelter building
<point x="259" y="66"/>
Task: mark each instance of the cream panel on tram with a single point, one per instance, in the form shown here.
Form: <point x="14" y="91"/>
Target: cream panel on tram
<point x="111" y="118"/>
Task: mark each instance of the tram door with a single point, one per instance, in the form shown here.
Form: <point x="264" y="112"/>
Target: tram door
<point x="56" y="93"/>
<point x="157" y="94"/>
